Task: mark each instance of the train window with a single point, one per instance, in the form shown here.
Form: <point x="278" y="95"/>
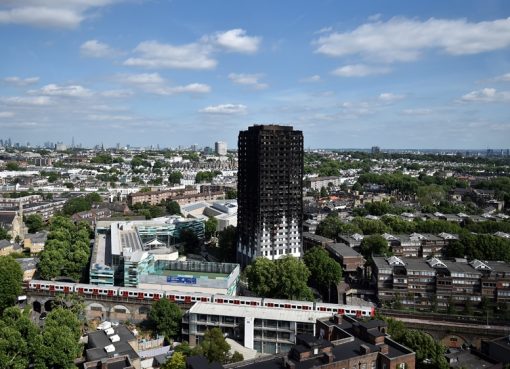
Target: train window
<point x="253" y="303"/>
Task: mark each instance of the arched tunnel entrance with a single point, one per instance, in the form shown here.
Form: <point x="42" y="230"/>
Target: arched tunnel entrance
<point x="37" y="307"/>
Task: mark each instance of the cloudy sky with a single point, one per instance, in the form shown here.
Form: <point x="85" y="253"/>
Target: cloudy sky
<point x="350" y="74"/>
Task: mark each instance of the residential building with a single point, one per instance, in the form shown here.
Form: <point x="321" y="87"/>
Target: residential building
<point x="423" y="283"/>
<point x="311" y="240"/>
<point x="34" y="242"/>
<point x="220" y="148"/>
<point x="316" y="183"/>
<point x="270" y="183"/>
<point x="92" y="215"/>
<point x="112" y="343"/>
<point x="351" y="261"/>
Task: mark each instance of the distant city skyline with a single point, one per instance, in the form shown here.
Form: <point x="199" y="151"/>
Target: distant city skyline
<point x="393" y="74"/>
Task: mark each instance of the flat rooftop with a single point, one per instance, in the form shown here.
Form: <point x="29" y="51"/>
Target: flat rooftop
<point x="257" y="312"/>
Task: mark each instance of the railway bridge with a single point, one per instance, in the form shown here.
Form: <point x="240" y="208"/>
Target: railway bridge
<point x="453" y="331"/>
<point x="114" y="308"/>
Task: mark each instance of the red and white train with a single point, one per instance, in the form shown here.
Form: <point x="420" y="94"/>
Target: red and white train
<point x="192" y="297"/>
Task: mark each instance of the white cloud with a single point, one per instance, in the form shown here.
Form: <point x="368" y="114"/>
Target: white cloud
<point x="486" y="95"/>
<point x="235" y="40"/>
<point x="155" y="84"/>
<point x="117" y="93"/>
<point x="153" y="54"/>
<point x="225" y="109"/>
<point x="63" y="91"/>
<point x="402" y="39"/>
<point x="108" y="117"/>
<point x="142" y="79"/>
<point x="248" y="80"/>
<point x="324" y="30"/>
<point x="49" y="13"/>
<point x="96" y="49"/>
<point x="195" y="88"/>
<point x="417" y="111"/>
<point x="17" y="81"/>
<point x="503" y="78"/>
<point x="196" y="55"/>
<point x="389" y="97"/>
<point x="6" y="114"/>
<point x="311" y="79"/>
<point x="360" y="70"/>
<point x="374" y="17"/>
<point x="27" y="100"/>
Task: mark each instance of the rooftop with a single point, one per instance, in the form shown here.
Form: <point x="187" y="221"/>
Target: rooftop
<point x="257" y="312"/>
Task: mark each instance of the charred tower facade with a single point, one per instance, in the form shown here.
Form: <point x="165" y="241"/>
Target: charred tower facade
<point x="269" y="192"/>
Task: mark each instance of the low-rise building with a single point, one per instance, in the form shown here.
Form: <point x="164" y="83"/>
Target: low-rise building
<point x="34" y="242"/>
<point x="111" y="343"/>
<point x="423" y="283"/>
<point x="341" y="342"/>
<point x="352" y="262"/>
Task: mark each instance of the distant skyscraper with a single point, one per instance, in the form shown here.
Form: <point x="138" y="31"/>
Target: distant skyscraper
<point x="220" y="148"/>
<point x="269" y="192"/>
<point x="376" y="149"/>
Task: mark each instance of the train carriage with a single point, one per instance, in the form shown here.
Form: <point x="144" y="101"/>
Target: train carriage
<point x="188" y="297"/>
<point x="288" y="304"/>
<point x="237" y="300"/>
<point x="193" y="297"/>
<point x="88" y="289"/>
<point x="140" y="294"/>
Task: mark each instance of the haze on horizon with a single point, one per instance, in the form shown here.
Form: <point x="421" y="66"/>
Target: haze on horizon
<point x="395" y="74"/>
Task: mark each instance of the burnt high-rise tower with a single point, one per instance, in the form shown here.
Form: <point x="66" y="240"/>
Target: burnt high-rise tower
<point x="269" y="192"/>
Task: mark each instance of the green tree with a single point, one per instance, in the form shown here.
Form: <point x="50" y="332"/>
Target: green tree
<point x="53" y="177"/>
<point x="227" y="243"/>
<point x="177" y="361"/>
<point x="230" y="193"/>
<point x="190" y="240"/>
<point x="293" y="277"/>
<point x="210" y="227"/>
<point x="34" y="222"/>
<point x="60" y="317"/>
<point x="11" y="277"/>
<point x="324" y="270"/>
<point x="426" y="348"/>
<point x="324" y="192"/>
<point x="67" y="251"/>
<point x="12" y="165"/>
<point x="283" y="278"/>
<point x="369" y="226"/>
<point x="4" y="235"/>
<point x="330" y="226"/>
<point x="60" y="347"/>
<point x="172" y="207"/>
<point x="236" y="357"/>
<point x="214" y="346"/>
<point x="262" y="277"/>
<point x="431" y="195"/>
<point x="374" y="245"/>
<point x="165" y="317"/>
<point x="175" y="177"/>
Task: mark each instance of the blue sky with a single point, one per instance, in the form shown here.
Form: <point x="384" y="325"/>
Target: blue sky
<point x="397" y="74"/>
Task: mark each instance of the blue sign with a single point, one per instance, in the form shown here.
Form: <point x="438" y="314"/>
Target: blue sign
<point x="183" y="280"/>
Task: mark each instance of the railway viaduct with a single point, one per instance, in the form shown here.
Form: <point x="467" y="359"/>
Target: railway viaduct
<point x="451" y="333"/>
<point x="104" y="307"/>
